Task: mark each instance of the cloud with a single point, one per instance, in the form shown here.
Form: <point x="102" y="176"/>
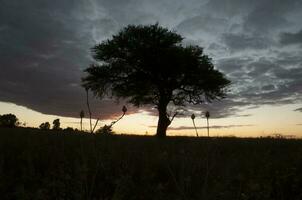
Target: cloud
<point x="291" y="38"/>
<point x="260" y="81"/>
<point x="298" y="110"/>
<point x="201" y="23"/>
<point x="219" y="109"/>
<point x="268" y="87"/>
<point x="181" y="128"/>
<point x="237" y="42"/>
<point x="43" y="54"/>
<point x="45" y="45"/>
<point x="270" y="15"/>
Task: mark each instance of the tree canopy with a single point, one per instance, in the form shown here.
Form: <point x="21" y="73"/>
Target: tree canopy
<point x="150" y="65"/>
<point x="8" y="120"/>
<point x="56" y="124"/>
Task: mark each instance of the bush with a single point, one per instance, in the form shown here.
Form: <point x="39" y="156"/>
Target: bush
<point x="45" y="126"/>
<point x="70" y="129"/>
<point x="105" y="130"/>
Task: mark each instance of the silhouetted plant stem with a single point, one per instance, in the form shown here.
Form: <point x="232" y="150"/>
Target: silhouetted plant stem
<point x="81" y="116"/>
<point x="112" y="123"/>
<point x="89" y="111"/>
<point x="208" y="127"/>
<point x="107" y="129"/>
<point x="193" y="119"/>
<point x="207" y="114"/>
<point x="81" y="123"/>
<point x="96" y="123"/>
<point x="195" y="128"/>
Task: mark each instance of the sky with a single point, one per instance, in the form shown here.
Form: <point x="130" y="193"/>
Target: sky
<point x="45" y="46"/>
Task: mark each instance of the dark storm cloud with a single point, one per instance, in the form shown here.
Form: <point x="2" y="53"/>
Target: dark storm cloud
<point x="265" y="18"/>
<point x="271" y="15"/>
<point x="33" y="73"/>
<point x="219" y="109"/>
<point x="268" y="87"/>
<point x="264" y="80"/>
<point x="42" y="57"/>
<point x="291" y="38"/>
<point x="201" y="23"/>
<point x="298" y="109"/>
<point x="45" y="45"/>
<point x="237" y="42"/>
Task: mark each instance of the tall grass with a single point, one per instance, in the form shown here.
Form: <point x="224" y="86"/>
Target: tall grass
<point x="37" y="164"/>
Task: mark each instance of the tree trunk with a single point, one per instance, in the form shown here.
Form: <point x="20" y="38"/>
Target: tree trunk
<point x="163" y="120"/>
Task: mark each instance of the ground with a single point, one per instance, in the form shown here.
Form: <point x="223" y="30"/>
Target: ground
<point x="37" y="164"/>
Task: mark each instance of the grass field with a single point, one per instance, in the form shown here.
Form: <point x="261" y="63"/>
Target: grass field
<point x="37" y="164"/>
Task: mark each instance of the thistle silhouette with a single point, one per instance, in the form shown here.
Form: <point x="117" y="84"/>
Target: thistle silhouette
<point x="124" y="109"/>
<point x="89" y="111"/>
<point x="207" y="115"/>
<point x="107" y="129"/>
<point x="193" y="118"/>
<point x="82" y="114"/>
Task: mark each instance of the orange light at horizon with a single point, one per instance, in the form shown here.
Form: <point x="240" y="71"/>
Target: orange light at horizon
<point x="263" y="121"/>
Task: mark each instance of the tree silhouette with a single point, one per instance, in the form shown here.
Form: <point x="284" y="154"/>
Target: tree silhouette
<point x="8" y="120"/>
<point x="149" y="65"/>
<point x="56" y="124"/>
<point x="45" y="126"/>
<point x="82" y="115"/>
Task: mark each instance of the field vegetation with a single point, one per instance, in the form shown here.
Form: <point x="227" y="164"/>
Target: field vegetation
<point x="58" y="164"/>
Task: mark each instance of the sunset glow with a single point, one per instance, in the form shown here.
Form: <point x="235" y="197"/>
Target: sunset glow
<point x="264" y="121"/>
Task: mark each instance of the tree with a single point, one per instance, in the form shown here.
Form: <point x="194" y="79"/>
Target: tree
<point x="8" y="121"/>
<point x="149" y="65"/>
<point x="82" y="114"/>
<point x="45" y="126"/>
<point x="56" y="124"/>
